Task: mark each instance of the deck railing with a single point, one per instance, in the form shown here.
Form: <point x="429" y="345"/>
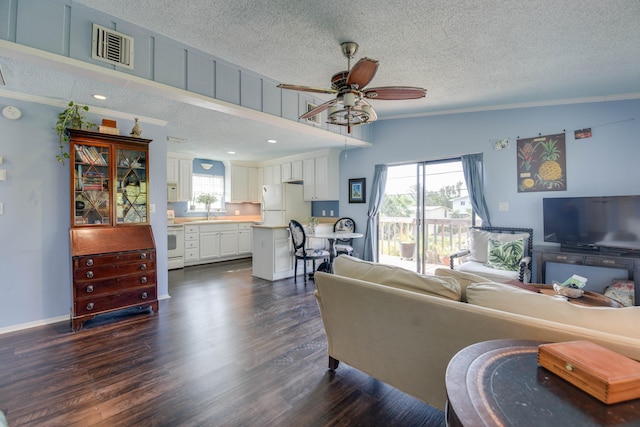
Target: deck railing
<point x="443" y="236"/>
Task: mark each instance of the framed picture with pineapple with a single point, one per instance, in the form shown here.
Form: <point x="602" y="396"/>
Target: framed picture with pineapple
<point x="542" y="163"/>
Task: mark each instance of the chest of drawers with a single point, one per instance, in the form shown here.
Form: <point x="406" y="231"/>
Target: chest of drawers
<point x="112" y="270"/>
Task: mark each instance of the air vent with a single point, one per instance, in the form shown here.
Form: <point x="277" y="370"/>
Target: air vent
<point x="112" y="47"/>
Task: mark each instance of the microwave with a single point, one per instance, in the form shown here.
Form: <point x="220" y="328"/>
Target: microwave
<point x="172" y="192"/>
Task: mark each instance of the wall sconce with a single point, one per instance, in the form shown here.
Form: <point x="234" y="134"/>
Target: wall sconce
<point x="206" y="166"/>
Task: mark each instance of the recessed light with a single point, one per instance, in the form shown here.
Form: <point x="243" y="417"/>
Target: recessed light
<point x="231" y="152"/>
<point x="101" y="97"/>
<point x="271" y="141"/>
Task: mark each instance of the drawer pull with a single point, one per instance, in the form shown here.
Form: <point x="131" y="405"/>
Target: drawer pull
<point x="89" y="262"/>
<point x="90" y="306"/>
<point x="144" y="295"/>
<point x="143" y="266"/>
<point x="143" y="279"/>
<point x="143" y="255"/>
<point x="89" y="274"/>
<point x="89" y="288"/>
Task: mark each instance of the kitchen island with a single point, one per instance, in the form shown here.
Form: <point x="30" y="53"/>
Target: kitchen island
<point x="272" y="258"/>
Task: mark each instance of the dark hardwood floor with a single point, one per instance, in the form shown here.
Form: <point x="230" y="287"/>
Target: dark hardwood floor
<point x="226" y="349"/>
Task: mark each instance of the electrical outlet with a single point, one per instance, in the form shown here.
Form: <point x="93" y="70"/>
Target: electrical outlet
<point x="237" y="212"/>
<point x="152" y="208"/>
<point x="503" y="206"/>
<point x="324" y="213"/>
<point x="331" y="212"/>
<point x="1" y="208"/>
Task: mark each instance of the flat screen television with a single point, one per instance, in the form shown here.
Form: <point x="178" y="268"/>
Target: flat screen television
<point x="608" y="223"/>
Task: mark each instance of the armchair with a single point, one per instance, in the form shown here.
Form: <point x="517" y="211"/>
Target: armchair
<point x="499" y="254"/>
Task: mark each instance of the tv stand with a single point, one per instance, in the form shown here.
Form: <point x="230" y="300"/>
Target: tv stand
<point x="628" y="261"/>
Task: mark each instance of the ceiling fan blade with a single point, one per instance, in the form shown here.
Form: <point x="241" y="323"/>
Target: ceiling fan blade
<point x="362" y="73"/>
<point x="307" y="89"/>
<point x="395" y="92"/>
<point x="319" y="109"/>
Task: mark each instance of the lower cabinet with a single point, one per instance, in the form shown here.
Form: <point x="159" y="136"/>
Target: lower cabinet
<point x="245" y="237"/>
<point x="206" y="243"/>
<point x="272" y="253"/>
<point x="107" y="277"/>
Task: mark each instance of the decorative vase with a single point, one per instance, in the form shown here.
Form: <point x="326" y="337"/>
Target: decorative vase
<point x="137" y="130"/>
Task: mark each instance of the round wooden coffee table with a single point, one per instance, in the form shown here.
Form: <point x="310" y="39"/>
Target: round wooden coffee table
<point x="499" y="383"/>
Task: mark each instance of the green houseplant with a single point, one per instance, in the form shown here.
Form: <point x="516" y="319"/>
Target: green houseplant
<point x="207" y="199"/>
<point x="71" y="117"/>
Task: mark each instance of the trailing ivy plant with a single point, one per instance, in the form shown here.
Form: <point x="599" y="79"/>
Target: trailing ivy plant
<point x="71" y="117"/>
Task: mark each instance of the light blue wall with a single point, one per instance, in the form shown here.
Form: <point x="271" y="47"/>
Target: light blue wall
<point x="35" y="263"/>
<point x="64" y="27"/>
<point x="606" y="164"/>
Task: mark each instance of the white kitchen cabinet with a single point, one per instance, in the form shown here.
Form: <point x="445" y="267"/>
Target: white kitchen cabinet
<point x="229" y="243"/>
<point x="179" y="170"/>
<point x="206" y="243"/>
<point x="191" y="243"/>
<point x="272" y="253"/>
<point x="272" y="174"/>
<point x="209" y="244"/>
<point x="245" y="232"/>
<point x="321" y="177"/>
<point x="292" y="171"/>
<point x="253" y="185"/>
<point x="242" y="184"/>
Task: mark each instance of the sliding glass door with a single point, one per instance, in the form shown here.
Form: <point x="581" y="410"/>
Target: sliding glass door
<point x="425" y="215"/>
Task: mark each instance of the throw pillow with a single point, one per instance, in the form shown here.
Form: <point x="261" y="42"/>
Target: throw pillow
<point x="396" y="277"/>
<point x="499" y="296"/>
<point x="479" y="240"/>
<point x="504" y="255"/>
<point x="464" y="279"/>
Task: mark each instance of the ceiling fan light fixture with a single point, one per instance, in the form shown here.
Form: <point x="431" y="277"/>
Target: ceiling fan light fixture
<point x="349" y="99"/>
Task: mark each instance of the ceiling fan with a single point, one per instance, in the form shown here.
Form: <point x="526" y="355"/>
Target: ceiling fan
<point x="350" y="106"/>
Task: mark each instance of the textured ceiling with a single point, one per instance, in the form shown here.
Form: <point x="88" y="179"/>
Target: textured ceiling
<point x="469" y="55"/>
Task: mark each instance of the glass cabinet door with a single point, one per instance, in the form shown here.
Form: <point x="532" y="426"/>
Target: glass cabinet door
<point x="131" y="188"/>
<point x="91" y="184"/>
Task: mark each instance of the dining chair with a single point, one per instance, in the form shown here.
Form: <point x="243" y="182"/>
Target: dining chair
<point x="344" y="246"/>
<point x="301" y="252"/>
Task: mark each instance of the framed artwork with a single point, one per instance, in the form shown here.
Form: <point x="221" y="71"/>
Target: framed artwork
<point x="357" y="190"/>
<point x="542" y="164"/>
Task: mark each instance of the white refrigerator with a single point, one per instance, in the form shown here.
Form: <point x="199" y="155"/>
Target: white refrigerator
<point x="282" y="203"/>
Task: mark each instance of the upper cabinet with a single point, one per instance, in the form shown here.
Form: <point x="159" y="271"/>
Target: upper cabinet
<point x="179" y="170"/>
<point x="272" y="174"/>
<point x="292" y="171"/>
<point x="242" y="184"/>
<point x="109" y="181"/>
<point x="321" y="177"/>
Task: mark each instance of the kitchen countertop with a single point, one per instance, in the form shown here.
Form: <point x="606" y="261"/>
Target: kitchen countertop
<point x="223" y="220"/>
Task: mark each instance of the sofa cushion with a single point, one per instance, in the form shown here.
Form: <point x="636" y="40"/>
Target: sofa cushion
<point x="396" y="277"/>
<point x="464" y="279"/>
<point x="479" y="242"/>
<point x="505" y="255"/>
<point x="619" y="321"/>
<point x="491" y="274"/>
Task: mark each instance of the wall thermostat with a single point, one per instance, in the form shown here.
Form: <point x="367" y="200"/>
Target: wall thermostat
<point x="11" y="113"/>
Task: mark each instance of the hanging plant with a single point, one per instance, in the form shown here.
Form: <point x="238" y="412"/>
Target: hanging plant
<point x="72" y="117"/>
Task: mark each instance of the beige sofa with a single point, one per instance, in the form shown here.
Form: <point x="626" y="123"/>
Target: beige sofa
<point x="403" y="328"/>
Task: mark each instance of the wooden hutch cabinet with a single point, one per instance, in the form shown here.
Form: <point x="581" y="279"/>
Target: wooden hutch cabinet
<point x="112" y="247"/>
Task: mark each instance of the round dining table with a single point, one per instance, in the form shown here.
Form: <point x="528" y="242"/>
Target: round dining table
<point x="331" y="237"/>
